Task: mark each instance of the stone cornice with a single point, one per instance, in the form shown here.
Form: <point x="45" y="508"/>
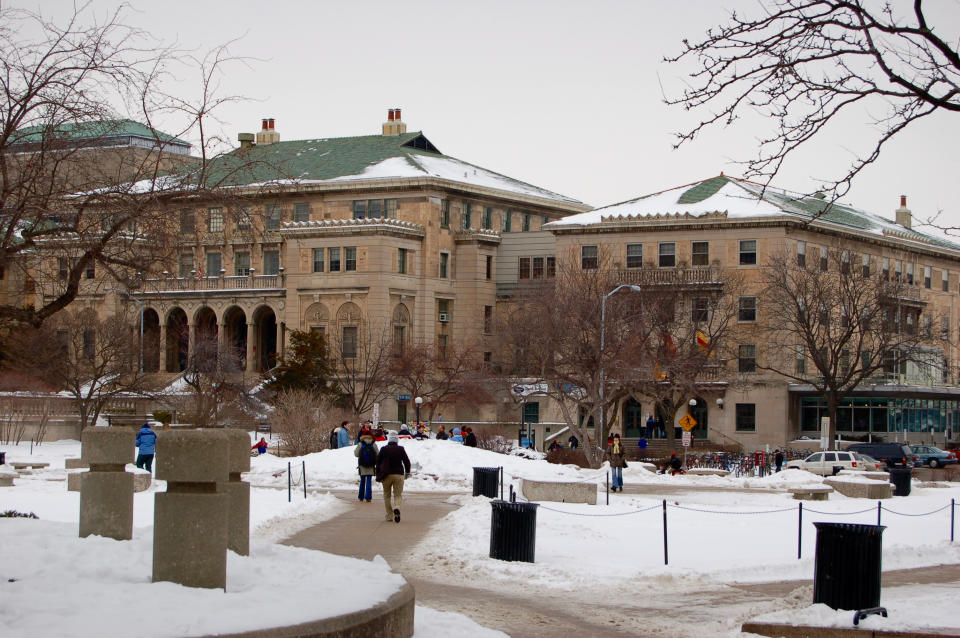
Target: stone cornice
<point x="378" y="226"/>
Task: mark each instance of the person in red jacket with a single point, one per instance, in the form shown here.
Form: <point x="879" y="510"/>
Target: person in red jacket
<point x="260" y="446"/>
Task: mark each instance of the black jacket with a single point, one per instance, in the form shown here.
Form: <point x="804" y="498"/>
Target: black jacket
<point x="470" y="440"/>
<point x="392" y="459"/>
<point x="442" y="436"/>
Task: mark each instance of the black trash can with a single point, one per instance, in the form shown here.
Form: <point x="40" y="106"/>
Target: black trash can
<point x="846" y="572"/>
<point x="513" y="531"/>
<point x="900" y="477"/>
<point x="486" y="481"/>
<point x="3" y="458"/>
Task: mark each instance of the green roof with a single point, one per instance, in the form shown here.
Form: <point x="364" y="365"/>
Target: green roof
<point x="703" y="190"/>
<point x="93" y="130"/>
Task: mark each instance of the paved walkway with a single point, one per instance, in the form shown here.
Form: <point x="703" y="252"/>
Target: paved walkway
<point x="362" y="532"/>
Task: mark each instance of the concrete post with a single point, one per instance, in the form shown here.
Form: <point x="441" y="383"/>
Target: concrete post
<point x="190" y="519"/>
<point x="238" y="493"/>
<point x="251" y="366"/>
<point x="106" y="491"/>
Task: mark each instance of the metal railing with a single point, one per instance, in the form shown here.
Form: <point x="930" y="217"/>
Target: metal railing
<point x="233" y="282"/>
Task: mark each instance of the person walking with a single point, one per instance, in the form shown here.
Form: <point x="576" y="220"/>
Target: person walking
<point x="574" y="442"/>
<point x="366" y="452"/>
<point x="615" y="454"/>
<point x="778" y="459"/>
<point x="260" y="446"/>
<point x="471" y="439"/>
<point x="393" y="466"/>
<point x="651" y="426"/>
<point x="147" y="446"/>
<point x="343" y="436"/>
<point x="334" y="438"/>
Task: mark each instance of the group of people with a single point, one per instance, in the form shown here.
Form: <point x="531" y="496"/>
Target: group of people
<point x="556" y="446"/>
<point x="340" y="436"/>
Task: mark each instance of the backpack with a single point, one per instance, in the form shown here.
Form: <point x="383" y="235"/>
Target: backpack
<point x="367" y="455"/>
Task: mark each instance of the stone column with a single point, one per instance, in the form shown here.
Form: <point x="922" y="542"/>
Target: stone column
<point x="238" y="493"/>
<point x="106" y="491"/>
<point x="162" y="349"/>
<point x="251" y="366"/>
<point x="190" y="519"/>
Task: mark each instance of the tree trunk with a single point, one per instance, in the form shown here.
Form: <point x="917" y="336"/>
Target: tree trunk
<point x="832" y="415"/>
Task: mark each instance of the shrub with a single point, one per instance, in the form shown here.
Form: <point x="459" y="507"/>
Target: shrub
<point x="16" y="514"/>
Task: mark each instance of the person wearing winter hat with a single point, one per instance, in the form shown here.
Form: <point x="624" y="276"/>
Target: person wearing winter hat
<point x="366" y="453"/>
<point x="393" y="465"/>
<point x="615" y="454"/>
<point x="455" y="436"/>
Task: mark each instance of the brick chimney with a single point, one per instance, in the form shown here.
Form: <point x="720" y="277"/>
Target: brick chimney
<point x="904" y="217"/>
<point x="267" y="133"/>
<point x="394" y="125"/>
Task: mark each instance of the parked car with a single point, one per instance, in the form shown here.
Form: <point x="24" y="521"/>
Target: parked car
<point x="932" y="456"/>
<point x="823" y="463"/>
<point x="869" y="463"/>
<point x="890" y="454"/>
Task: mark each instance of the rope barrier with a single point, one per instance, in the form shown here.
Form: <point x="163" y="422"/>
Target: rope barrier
<point x="694" y="509"/>
<point x="640" y="511"/>
<point x="839" y="513"/>
<point x="924" y="514"/>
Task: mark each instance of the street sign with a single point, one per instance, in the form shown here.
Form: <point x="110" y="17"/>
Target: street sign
<point x="403" y="397"/>
<point x="687" y="438"/>
<point x="688" y="423"/>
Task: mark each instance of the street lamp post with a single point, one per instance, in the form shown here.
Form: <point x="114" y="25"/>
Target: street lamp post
<point x="603" y="320"/>
<point x="419" y="402"/>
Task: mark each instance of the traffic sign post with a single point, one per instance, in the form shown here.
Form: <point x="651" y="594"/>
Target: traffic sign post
<point x="687" y="422"/>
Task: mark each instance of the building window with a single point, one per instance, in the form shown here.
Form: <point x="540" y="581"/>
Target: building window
<point x="374" y="208"/>
<point x="544" y="220"/>
<point x="90" y="272"/>
<point x="588" y="258"/>
<point x="551" y="267"/>
<point x="488" y="319"/>
<point x="748" y="309"/>
<point x="350" y="258"/>
<point x="802" y="254"/>
<point x="910" y="273"/>
<point x="360" y="209"/>
<point x="445" y="214"/>
<point x="526" y="222"/>
<point x="668" y="255"/>
<point x="701" y="309"/>
<point x="442" y="346"/>
<point x="318" y="260"/>
<point x="301" y="212"/>
<point x="402" y="261"/>
<point x="945" y="280"/>
<point x="898" y="270"/>
<point x="271" y="262"/>
<point x="214" y="264"/>
<point x="524" y="268"/>
<point x="487" y="220"/>
<point x="489" y="260"/>
<point x="334" y="263"/>
<point x="866" y="265"/>
<point x="845" y="262"/>
<point x="944" y="327"/>
<point x="823" y="259"/>
<point x="243" y="219"/>
<point x="531" y="412"/>
<point x="62" y="267"/>
<point x="465" y="213"/>
<point x="800" y="362"/>
<point x="746" y="417"/>
<point x="507" y="220"/>
<point x="241" y="264"/>
<point x="538" y="267"/>
<point x="701" y="253"/>
<point x="348" y="342"/>
<point x="747" y="358"/>
<point x="886" y="268"/>
<point x="748" y="252"/>
<point x="927" y="277"/>
<point x="215" y="220"/>
<point x="274" y="215"/>
<point x="89" y="343"/>
<point x="443" y="307"/>
<point x="634" y="255"/>
<point x="185" y="266"/>
<point x="444" y="265"/>
<point x="188" y="221"/>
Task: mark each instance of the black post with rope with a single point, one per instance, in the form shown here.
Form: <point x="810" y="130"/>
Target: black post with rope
<point x="304" y="480"/>
<point x="665" y="557"/>
<point x="289" y="482"/>
<point x="800" y="532"/>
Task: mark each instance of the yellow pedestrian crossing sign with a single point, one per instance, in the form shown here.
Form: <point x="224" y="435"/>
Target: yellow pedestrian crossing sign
<point x="688" y="423"/>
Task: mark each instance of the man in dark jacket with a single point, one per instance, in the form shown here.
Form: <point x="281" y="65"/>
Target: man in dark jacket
<point x="147" y="444"/>
<point x="393" y="465"/>
<point x="470" y="440"/>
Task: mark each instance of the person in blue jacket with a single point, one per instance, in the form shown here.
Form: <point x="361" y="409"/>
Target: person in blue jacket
<point x="147" y="445"/>
<point x="343" y="436"/>
<point x="457" y="437"/>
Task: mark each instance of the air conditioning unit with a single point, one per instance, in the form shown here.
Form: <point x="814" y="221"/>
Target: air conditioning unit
<point x="444" y="317"/>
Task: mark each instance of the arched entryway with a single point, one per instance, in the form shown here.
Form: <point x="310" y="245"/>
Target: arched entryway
<point x="151" y="340"/>
<point x="235" y="326"/>
<point x="634" y="420"/>
<point x="205" y="348"/>
<point x="178" y="341"/>
<point x="265" y="344"/>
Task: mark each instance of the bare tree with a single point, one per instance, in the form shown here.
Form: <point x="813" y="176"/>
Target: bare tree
<point x="303" y="417"/>
<point x="363" y="357"/>
<point x="72" y="207"/>
<point x="213" y="377"/>
<point x="805" y="64"/>
<point x="835" y="326"/>
<point x="442" y="377"/>
<point x="93" y="360"/>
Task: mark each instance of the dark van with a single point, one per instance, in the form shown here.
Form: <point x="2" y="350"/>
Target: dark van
<point x="891" y="454"/>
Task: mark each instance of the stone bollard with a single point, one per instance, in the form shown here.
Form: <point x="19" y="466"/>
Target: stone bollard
<point x="190" y="519"/>
<point x="238" y="493"/>
<point x="106" y="491"/>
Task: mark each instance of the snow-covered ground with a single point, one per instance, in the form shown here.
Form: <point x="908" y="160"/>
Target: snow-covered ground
<point x="714" y="536"/>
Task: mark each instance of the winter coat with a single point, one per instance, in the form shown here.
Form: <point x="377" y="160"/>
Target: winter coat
<point x="343" y="438"/>
<point x="392" y="459"/>
<point x="616" y="458"/>
<point x="333" y="438"/>
<point x="147" y="440"/>
<point x="471" y="440"/>
<point x="366" y="470"/>
<point x="442" y="436"/>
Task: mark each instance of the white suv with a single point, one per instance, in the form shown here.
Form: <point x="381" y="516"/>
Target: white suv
<point x="823" y="463"/>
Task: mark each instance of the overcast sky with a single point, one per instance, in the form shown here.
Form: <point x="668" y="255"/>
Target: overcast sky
<point x="564" y="95"/>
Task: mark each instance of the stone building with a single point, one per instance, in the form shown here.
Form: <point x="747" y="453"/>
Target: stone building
<point x="737" y="225"/>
